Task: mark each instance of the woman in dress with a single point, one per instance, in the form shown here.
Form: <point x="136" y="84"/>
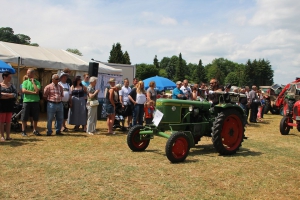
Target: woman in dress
<point x="77" y="111"/>
<point x="8" y="95"/>
<point x="137" y="97"/>
<point x="92" y="110"/>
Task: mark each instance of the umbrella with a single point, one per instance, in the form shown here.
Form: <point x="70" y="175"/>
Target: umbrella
<point x="161" y="83"/>
<point x="5" y="67"/>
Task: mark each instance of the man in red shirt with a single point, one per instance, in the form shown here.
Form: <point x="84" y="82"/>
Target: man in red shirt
<point x="54" y="93"/>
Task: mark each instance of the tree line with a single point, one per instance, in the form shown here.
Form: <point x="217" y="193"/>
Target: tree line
<point x="256" y="72"/>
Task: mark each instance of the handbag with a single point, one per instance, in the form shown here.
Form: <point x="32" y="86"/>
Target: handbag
<point x="94" y="103"/>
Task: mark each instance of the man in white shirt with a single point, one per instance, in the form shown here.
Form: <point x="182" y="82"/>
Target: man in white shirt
<point x="66" y="99"/>
<point x="186" y="89"/>
<point x="123" y="96"/>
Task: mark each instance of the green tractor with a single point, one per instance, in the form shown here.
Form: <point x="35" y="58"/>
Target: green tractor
<point x="188" y="121"/>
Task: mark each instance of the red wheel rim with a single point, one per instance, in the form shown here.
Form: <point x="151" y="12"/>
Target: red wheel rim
<point x="136" y="141"/>
<point x="180" y="148"/>
<point x="232" y="132"/>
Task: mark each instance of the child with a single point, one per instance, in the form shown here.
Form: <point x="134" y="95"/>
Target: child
<point x="149" y="109"/>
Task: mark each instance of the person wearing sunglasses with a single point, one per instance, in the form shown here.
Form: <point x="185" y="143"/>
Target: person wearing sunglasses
<point x="54" y="93"/>
<point x="214" y="86"/>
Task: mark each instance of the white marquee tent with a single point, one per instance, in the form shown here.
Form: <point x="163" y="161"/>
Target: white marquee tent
<point x="52" y="59"/>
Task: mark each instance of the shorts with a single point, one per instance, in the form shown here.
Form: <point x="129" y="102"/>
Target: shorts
<point x="127" y="111"/>
<point x="5" y="117"/>
<point x="110" y="109"/>
<point x="31" y="109"/>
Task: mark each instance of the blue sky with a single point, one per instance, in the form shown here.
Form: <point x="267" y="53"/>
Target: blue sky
<point x="200" y="29"/>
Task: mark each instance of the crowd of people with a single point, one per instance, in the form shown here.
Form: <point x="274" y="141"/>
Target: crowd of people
<point x="75" y="102"/>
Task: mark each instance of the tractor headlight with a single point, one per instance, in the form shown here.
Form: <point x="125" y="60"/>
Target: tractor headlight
<point x="191" y="108"/>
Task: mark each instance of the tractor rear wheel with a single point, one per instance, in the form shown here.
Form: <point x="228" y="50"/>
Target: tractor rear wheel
<point x="177" y="147"/>
<point x="134" y="140"/>
<point x="228" y="132"/>
<point x="284" y="127"/>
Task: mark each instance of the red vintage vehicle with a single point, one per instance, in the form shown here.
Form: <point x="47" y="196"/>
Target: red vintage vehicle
<point x="280" y="99"/>
<point x="291" y="105"/>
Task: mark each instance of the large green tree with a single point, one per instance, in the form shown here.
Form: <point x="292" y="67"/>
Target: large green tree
<point x="75" y="51"/>
<point x="171" y="68"/>
<point x="144" y="71"/>
<point x="199" y="74"/>
<point x="155" y="62"/>
<point x="126" y="58"/>
<point x="117" y="55"/>
<point x="180" y="69"/>
<point x="232" y="78"/>
<point x="164" y="63"/>
<point x="7" y="35"/>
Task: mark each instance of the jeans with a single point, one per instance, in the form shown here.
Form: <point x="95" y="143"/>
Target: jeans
<point x="253" y="113"/>
<point x="56" y="110"/>
<point x="138" y="114"/>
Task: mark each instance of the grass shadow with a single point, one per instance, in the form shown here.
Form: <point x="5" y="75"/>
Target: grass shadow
<point x="293" y="134"/>
<point x="20" y="142"/>
<point x="209" y="149"/>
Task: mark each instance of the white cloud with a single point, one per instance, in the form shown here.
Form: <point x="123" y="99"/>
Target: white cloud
<point x="168" y="21"/>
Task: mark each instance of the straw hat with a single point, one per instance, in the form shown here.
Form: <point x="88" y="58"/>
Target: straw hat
<point x="112" y="80"/>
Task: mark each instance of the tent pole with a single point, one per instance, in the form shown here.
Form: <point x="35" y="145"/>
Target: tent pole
<point x="18" y="82"/>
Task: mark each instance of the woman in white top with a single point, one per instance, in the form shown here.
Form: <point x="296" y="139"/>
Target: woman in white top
<point x="137" y="97"/>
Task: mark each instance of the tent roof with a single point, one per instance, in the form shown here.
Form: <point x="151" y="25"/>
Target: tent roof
<point x="40" y="57"/>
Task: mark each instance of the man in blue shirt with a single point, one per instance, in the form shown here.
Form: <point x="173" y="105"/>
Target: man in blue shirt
<point x="177" y="93"/>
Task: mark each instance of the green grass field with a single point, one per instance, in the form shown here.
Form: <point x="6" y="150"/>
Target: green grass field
<point x="79" y="166"/>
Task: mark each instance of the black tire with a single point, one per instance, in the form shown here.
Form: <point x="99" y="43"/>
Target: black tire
<point x="267" y="107"/>
<point x="298" y="126"/>
<point x="134" y="141"/>
<point x="177" y="147"/>
<point x="228" y="132"/>
<point x="284" y="128"/>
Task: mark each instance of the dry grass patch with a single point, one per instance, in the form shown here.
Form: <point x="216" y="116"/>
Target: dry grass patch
<point x="78" y="166"/>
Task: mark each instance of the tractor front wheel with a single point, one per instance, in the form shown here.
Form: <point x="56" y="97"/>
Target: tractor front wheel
<point x="284" y="127"/>
<point x="228" y="132"/>
<point x="134" y="140"/>
<point x="177" y="147"/>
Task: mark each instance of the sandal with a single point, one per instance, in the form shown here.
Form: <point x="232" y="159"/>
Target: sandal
<point x="65" y="129"/>
<point x="2" y="139"/>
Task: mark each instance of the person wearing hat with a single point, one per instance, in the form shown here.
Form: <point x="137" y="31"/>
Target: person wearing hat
<point x="66" y="99"/>
<point x="177" y="93"/>
<point x="54" y="93"/>
<point x="110" y="105"/>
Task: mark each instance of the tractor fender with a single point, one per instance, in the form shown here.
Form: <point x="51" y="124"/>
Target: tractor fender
<point x="220" y="107"/>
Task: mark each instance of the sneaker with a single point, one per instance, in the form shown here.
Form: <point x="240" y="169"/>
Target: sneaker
<point x="90" y="133"/>
<point x="24" y="134"/>
<point x="36" y="133"/>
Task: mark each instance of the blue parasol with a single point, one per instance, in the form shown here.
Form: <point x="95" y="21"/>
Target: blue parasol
<point x="161" y="83"/>
<point x="5" y="67"/>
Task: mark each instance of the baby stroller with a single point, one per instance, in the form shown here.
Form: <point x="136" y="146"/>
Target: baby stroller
<point x="119" y="117"/>
<point x="15" y="125"/>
